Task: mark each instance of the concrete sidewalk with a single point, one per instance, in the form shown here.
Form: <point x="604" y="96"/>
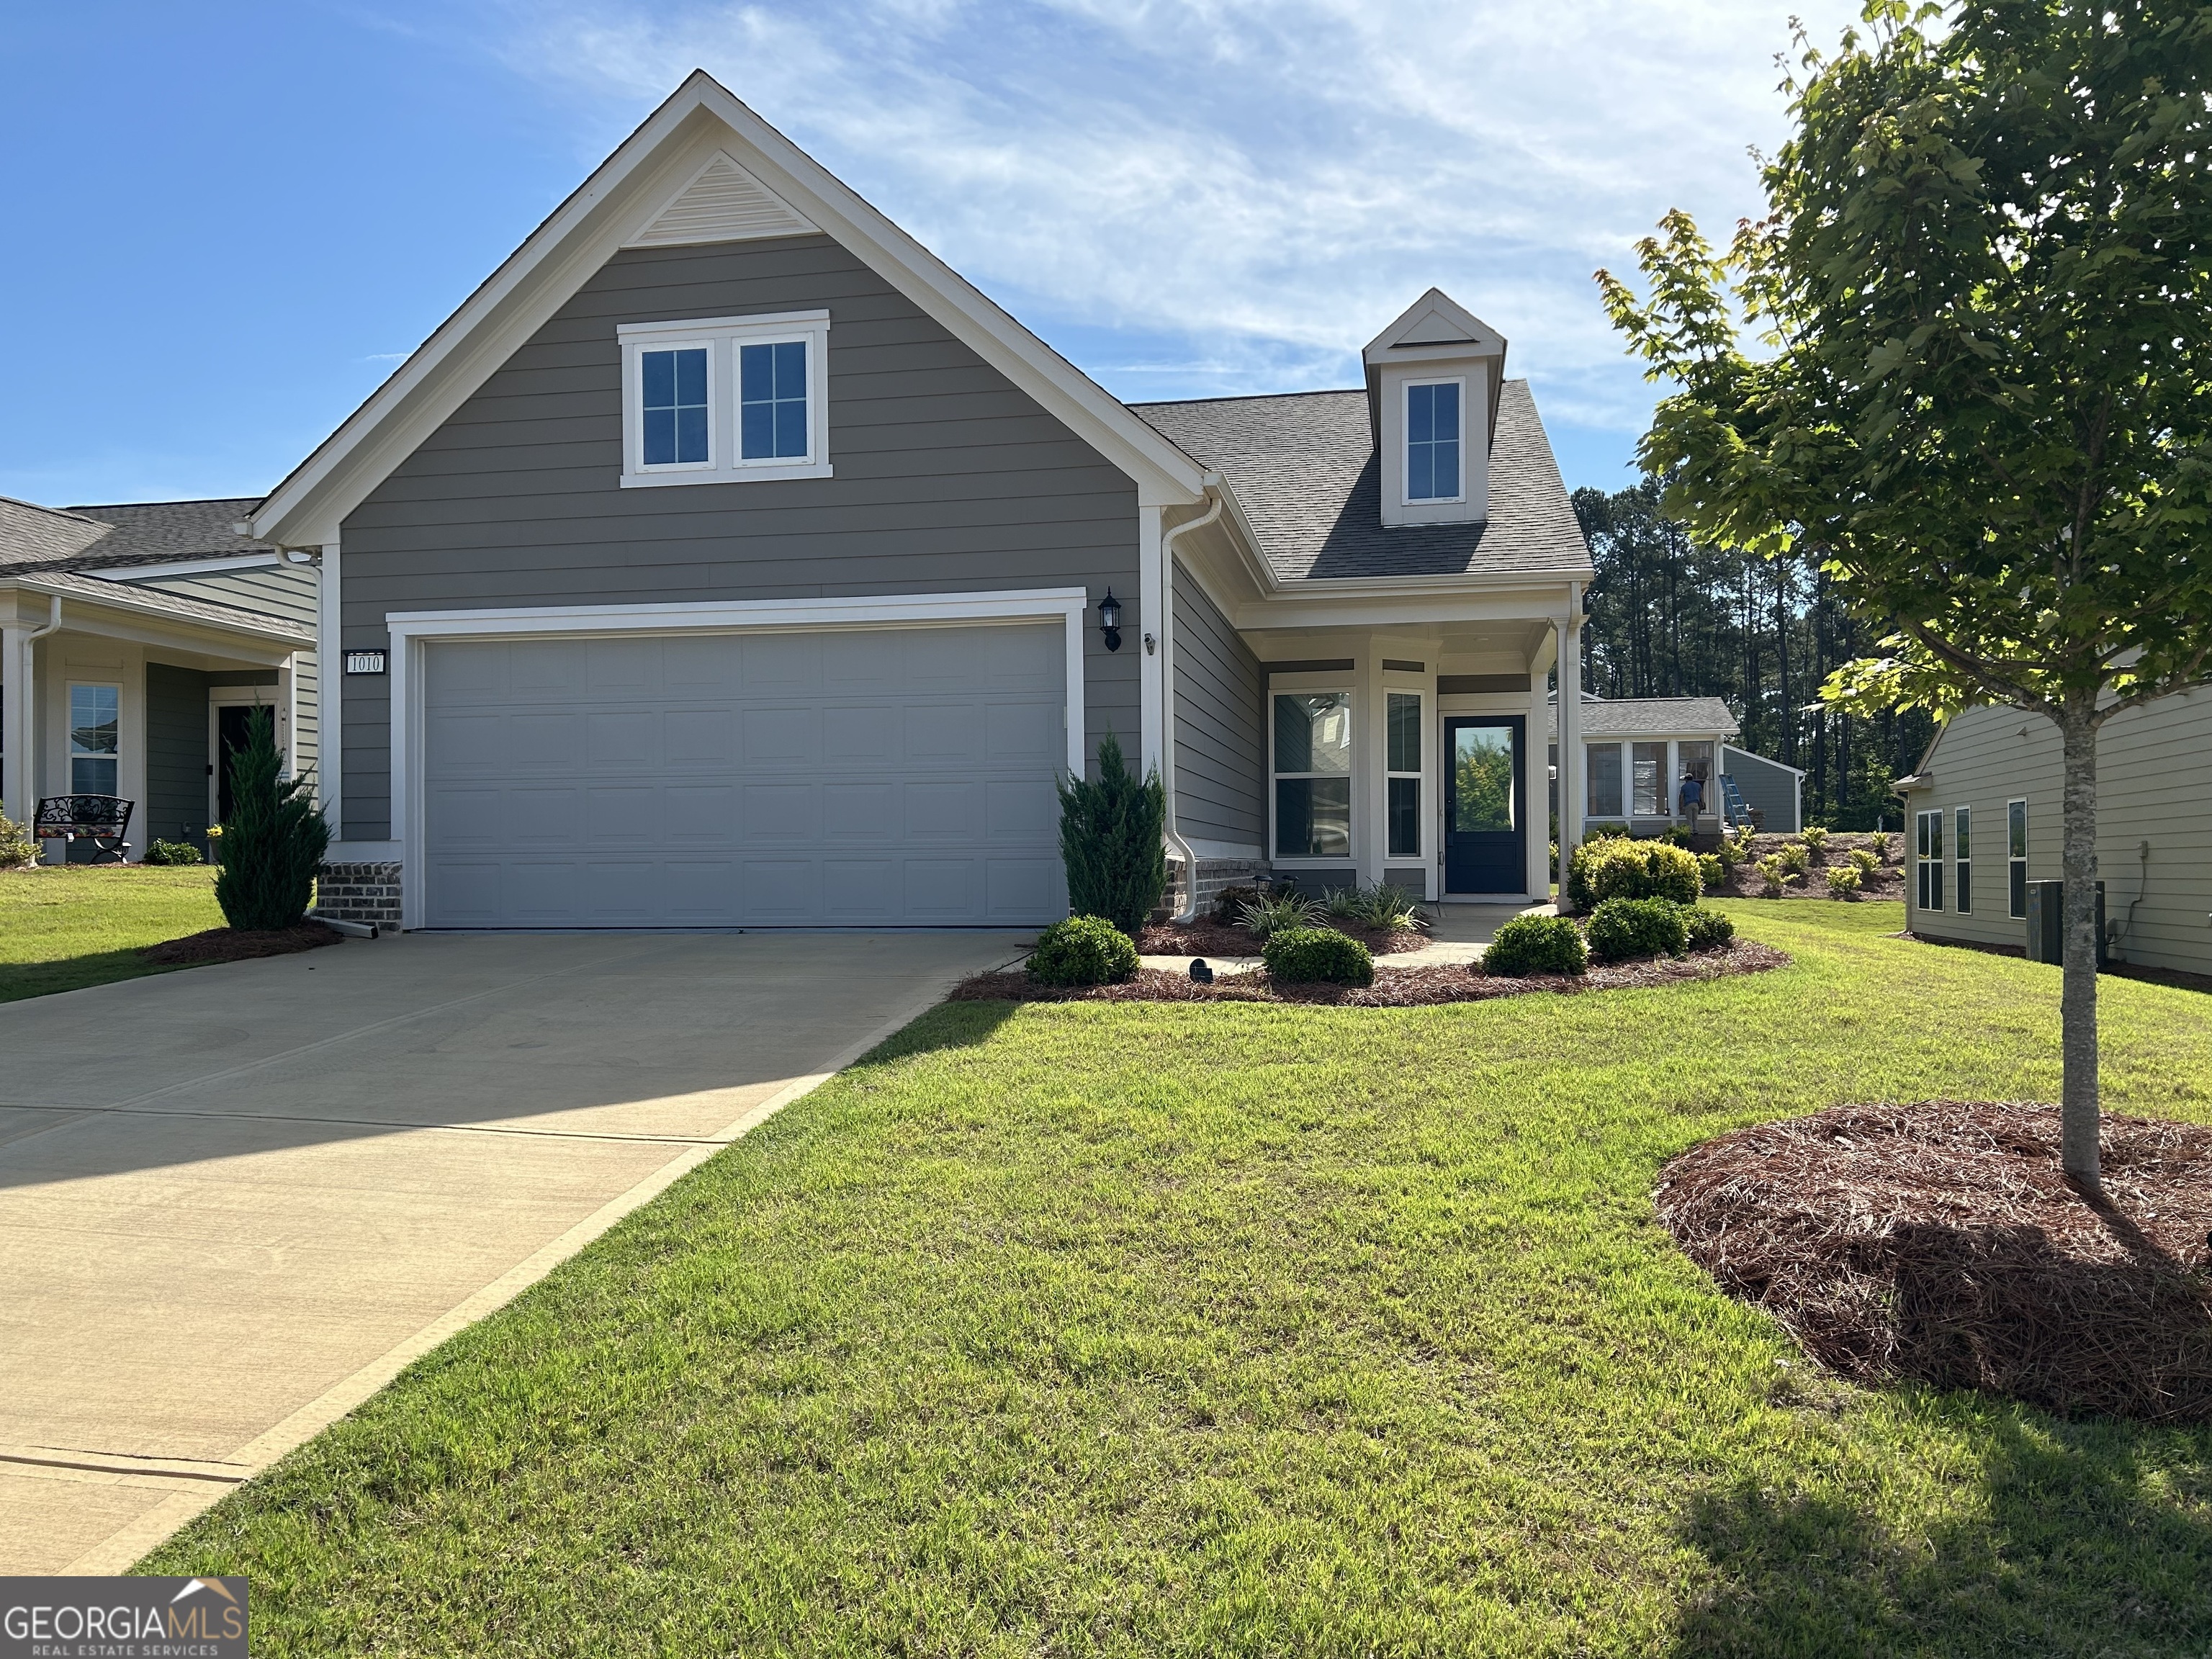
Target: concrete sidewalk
<point x="234" y="1201"/>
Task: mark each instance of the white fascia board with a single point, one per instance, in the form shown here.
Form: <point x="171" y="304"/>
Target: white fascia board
<point x="147" y="572"/>
<point x="124" y="615"/>
<point x="607" y="211"/>
<point x="740" y="616"/>
<point x="1767" y="761"/>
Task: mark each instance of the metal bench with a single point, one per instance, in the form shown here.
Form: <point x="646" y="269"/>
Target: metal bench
<point x="100" y="819"/>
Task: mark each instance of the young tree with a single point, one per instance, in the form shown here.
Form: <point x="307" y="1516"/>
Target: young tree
<point x="274" y="840"/>
<point x="1111" y="841"/>
<point x="1984" y="294"/>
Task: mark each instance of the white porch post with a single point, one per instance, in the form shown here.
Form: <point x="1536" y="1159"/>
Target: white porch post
<point x="1572" y="766"/>
<point x="330" y="689"/>
<point x="1151" y="607"/>
<point x="19" y="789"/>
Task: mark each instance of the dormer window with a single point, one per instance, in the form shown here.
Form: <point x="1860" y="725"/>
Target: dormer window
<point x="726" y="399"/>
<point x="1434" y="460"/>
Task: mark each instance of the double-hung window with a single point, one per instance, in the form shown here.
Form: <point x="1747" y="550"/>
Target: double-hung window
<point x="1928" y="859"/>
<point x="1434" y="462"/>
<point x="95" y="739"/>
<point x="1650" y="775"/>
<point x="1402" y="716"/>
<point x="1313" y="775"/>
<point x="2016" y="858"/>
<point x="1604" y="781"/>
<point x="726" y="399"/>
<point x="1962" y="881"/>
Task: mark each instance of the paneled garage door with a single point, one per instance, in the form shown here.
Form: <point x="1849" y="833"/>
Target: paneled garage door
<point x="866" y="777"/>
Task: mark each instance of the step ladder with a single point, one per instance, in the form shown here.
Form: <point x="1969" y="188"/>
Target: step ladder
<point x="1733" y="808"/>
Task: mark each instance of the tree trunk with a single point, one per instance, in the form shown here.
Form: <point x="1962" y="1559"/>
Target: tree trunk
<point x="2077" y="1002"/>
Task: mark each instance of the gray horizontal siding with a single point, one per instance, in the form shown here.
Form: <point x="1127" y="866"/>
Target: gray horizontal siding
<point x="948" y="478"/>
<point x="176" y="757"/>
<point x="2154" y="784"/>
<point x="1220" y="752"/>
<point x="1770" y="787"/>
<point x="288" y="590"/>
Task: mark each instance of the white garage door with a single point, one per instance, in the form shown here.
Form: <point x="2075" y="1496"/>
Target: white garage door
<point x="862" y="778"/>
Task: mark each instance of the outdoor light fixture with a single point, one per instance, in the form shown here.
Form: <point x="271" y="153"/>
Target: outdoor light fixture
<point x="1110" y="621"/>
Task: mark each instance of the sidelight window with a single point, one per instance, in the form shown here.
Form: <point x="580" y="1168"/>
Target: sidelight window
<point x="1403" y="715"/>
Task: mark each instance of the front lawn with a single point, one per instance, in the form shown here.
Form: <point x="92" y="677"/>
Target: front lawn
<point x="62" y="927"/>
<point x="1247" y="1329"/>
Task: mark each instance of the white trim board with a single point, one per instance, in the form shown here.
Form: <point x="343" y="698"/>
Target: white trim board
<point x="147" y="572"/>
<point x="410" y="628"/>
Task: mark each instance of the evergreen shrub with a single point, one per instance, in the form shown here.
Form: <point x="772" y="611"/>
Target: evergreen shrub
<point x="1620" y="868"/>
<point x="1302" y="955"/>
<point x="1537" y="945"/>
<point x="1707" y="930"/>
<point x="274" y="840"/>
<point x="1111" y="841"/>
<point x="1627" y="930"/>
<point x="1083" y="951"/>
<point x="173" y="852"/>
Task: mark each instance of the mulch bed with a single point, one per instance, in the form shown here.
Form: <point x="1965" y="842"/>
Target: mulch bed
<point x="1745" y="881"/>
<point x="1939" y="1242"/>
<point x="1394" y="987"/>
<point x="240" y="945"/>
<point x="1208" y="937"/>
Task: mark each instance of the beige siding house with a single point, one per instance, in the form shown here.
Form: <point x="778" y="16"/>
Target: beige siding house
<point x="1983" y="820"/>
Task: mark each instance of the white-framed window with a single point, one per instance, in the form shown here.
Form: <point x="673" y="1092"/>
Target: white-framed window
<point x="2016" y="859"/>
<point x="726" y="399"/>
<point x="1435" y="443"/>
<point x="95" y="745"/>
<point x="1310" y="739"/>
<point x="1928" y="859"/>
<point x="1402" y="741"/>
<point x="1603" y="800"/>
<point x="1648" y="773"/>
<point x="1962" y="844"/>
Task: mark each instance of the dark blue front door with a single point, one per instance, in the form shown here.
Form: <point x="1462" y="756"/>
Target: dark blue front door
<point x="1485" y="848"/>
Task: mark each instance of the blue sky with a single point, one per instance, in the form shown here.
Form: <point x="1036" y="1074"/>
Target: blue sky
<point x="227" y="222"/>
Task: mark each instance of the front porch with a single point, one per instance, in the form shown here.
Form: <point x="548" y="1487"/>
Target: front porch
<point x="110" y="689"/>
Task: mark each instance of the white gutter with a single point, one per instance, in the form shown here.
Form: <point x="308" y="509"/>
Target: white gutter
<point x="1167" y="684"/>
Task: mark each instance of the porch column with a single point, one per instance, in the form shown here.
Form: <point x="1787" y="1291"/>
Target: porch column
<point x="1572" y="765"/>
<point x="19" y="788"/>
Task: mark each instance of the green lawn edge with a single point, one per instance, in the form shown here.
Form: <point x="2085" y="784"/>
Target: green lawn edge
<point x="64" y="928"/>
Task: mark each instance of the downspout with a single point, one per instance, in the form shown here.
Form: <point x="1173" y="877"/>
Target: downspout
<point x="1168" y="691"/>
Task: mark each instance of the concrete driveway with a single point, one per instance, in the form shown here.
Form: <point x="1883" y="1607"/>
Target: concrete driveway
<point x="236" y="1200"/>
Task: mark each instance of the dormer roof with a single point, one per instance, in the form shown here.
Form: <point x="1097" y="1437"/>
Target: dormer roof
<point x="1435" y="329"/>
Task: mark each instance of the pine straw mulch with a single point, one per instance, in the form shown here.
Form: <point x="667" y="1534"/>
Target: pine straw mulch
<point x="1207" y="937"/>
<point x="1394" y="987"/>
<point x="1939" y="1242"/>
<point x="240" y="945"/>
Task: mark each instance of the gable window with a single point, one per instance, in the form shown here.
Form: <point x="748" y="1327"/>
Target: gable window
<point x="1962" y="880"/>
<point x="1313" y="775"/>
<point x="1432" y="442"/>
<point x="1604" y="781"/>
<point x="2016" y="858"/>
<point x="94" y="745"/>
<point x="674" y="407"/>
<point x="1928" y="859"/>
<point x="1403" y="718"/>
<point x="726" y="399"/>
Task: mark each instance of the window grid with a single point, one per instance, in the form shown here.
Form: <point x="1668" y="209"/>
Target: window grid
<point x="772" y="421"/>
<point x="2016" y="859"/>
<point x="674" y="423"/>
<point x="1432" y="442"/>
<point x="1403" y="720"/>
<point x="1312" y="765"/>
<point x="1928" y="859"/>
<point x="1962" y="882"/>
<point x="95" y="739"/>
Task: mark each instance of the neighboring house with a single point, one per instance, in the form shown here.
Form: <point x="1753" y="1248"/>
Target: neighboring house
<point x="1983" y="820"/>
<point x="727" y="559"/>
<point x="134" y="640"/>
<point x="1636" y="752"/>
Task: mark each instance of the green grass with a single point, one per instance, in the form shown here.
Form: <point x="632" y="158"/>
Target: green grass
<point x="63" y="926"/>
<point x="1249" y="1329"/>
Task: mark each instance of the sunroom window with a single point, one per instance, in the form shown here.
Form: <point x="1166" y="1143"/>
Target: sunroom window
<point x="1313" y="775"/>
<point x="1604" y="781"/>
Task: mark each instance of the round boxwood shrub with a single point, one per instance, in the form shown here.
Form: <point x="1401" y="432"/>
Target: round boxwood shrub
<point x="1624" y="930"/>
<point x="1708" y="930"/>
<point x="1618" y="868"/>
<point x="1083" y="951"/>
<point x="1537" y="945"/>
<point x="1302" y="955"/>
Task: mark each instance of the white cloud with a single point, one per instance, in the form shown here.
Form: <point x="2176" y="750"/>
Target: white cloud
<point x="1232" y="195"/>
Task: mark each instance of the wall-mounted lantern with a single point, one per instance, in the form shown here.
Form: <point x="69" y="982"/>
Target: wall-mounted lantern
<point x="1110" y="621"/>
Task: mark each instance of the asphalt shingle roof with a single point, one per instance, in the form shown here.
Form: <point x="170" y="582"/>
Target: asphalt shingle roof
<point x="134" y="596"/>
<point x="1304" y="467"/>
<point x="122" y="534"/>
<point x="1648" y="717"/>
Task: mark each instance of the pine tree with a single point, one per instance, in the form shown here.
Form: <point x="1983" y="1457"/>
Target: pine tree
<point x="1111" y="841"/>
<point x="273" y="840"/>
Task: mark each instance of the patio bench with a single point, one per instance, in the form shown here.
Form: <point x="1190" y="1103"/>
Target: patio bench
<point x="100" y="819"/>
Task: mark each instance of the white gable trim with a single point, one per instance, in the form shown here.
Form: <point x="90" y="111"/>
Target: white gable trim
<point x="621" y="200"/>
<point x="722" y="203"/>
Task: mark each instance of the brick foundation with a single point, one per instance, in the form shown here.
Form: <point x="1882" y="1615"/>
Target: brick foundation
<point x="1214" y="875"/>
<point x="359" y="892"/>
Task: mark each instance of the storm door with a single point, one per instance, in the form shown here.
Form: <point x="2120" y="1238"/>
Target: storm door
<point x="1485" y="848"/>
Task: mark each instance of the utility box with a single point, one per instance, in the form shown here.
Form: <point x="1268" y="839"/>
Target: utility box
<point x="2046" y="922"/>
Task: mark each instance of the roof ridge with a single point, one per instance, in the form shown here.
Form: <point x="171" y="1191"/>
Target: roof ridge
<point x="77" y="513"/>
<point x="1253" y="396"/>
<point x="179" y="500"/>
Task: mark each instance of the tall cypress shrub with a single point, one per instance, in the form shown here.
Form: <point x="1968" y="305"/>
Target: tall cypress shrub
<point x="275" y="838"/>
<point x="1111" y="840"/>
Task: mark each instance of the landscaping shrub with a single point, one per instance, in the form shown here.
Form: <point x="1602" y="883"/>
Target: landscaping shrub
<point x="274" y="839"/>
<point x="1083" y="951"/>
<point x="1880" y="842"/>
<point x="1537" y="945"/>
<point x="1619" y="868"/>
<point x="16" y="846"/>
<point x="1304" y="955"/>
<point x="1707" y="930"/>
<point x="173" y="852"/>
<point x="1110" y="840"/>
<point x="1865" y="862"/>
<point x="1676" y="834"/>
<point x="1277" y="909"/>
<point x="1844" y="882"/>
<point x="1379" y="906"/>
<point x="1229" y="904"/>
<point x="1740" y="840"/>
<point x="1625" y="930"/>
<point x="1778" y="874"/>
<point x="1711" y="871"/>
<point x="1797" y="857"/>
<point x="1815" y="840"/>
